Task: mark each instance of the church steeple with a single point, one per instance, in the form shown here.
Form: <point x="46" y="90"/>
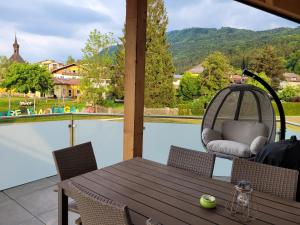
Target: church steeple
<point x="16" y="45"/>
<point x="16" y="56"/>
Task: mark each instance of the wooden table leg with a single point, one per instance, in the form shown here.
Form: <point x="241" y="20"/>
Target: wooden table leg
<point x="62" y="207"/>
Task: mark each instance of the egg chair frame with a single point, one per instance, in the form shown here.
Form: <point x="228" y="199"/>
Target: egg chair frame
<point x="268" y="122"/>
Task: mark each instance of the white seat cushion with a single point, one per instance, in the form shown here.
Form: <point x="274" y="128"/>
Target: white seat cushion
<point x="229" y="148"/>
<point x="243" y="131"/>
<point x="210" y="135"/>
<point x="257" y="144"/>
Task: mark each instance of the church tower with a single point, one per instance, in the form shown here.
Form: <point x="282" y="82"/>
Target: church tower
<point x="16" y="55"/>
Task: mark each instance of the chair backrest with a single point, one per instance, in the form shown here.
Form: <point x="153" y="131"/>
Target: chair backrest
<point x="274" y="180"/>
<point x="74" y="161"/>
<point x="243" y="131"/>
<point x="95" y="209"/>
<point x="197" y="162"/>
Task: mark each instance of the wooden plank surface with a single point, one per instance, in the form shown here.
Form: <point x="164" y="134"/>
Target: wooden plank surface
<point x="171" y="195"/>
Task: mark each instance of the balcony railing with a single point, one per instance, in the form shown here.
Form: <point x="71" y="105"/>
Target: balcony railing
<point x="26" y="147"/>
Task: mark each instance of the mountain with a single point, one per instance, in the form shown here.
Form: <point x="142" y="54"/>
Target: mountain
<point x="190" y="46"/>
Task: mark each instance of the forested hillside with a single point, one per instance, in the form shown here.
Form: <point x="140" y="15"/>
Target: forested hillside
<point x="190" y="46"/>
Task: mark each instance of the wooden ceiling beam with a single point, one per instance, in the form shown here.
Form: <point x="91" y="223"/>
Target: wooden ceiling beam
<point x="289" y="9"/>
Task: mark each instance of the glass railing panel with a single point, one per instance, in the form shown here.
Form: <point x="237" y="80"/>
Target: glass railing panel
<point x="26" y="150"/>
<point x="106" y="136"/>
<point x="159" y="136"/>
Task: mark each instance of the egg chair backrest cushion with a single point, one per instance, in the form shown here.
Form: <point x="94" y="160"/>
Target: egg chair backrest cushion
<point x="243" y="131"/>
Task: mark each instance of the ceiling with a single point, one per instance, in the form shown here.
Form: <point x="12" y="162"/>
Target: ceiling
<point x="289" y="9"/>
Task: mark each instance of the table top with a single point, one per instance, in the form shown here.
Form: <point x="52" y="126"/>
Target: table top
<point x="171" y="196"/>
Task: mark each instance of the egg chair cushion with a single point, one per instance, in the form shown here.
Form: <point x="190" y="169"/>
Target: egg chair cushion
<point x="229" y="148"/>
<point x="243" y="131"/>
<point x="257" y="144"/>
<point x="210" y="135"/>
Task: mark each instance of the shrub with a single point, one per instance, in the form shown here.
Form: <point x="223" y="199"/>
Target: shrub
<point x="184" y="109"/>
<point x="288" y="93"/>
<point x="195" y="108"/>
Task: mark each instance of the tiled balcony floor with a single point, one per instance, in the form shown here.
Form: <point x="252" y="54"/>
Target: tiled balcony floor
<point x="34" y="203"/>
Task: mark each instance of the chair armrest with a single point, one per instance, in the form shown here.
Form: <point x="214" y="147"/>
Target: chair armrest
<point x="257" y="144"/>
<point x="210" y="135"/>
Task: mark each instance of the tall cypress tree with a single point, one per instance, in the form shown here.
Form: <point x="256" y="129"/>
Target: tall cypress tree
<point x="268" y="61"/>
<point x="117" y="78"/>
<point x="159" y="90"/>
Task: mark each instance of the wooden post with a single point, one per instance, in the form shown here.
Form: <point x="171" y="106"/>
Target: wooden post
<point x="135" y="48"/>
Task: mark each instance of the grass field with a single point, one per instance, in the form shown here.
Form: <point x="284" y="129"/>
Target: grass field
<point x="49" y="103"/>
<point x="40" y="103"/>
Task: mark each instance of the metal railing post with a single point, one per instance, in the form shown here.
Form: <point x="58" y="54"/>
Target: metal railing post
<point x="72" y="127"/>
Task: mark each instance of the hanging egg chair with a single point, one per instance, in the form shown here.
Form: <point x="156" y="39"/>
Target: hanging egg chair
<point x="240" y="120"/>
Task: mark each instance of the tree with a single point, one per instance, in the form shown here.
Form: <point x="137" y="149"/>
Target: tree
<point x="96" y="66"/>
<point x="4" y="64"/>
<point x="24" y="78"/>
<point x="159" y="90"/>
<point x="288" y="93"/>
<point x="70" y="60"/>
<point x="257" y="84"/>
<point x="267" y="61"/>
<point x="293" y="62"/>
<point x="189" y="87"/>
<point x="215" y="75"/>
<point x="117" y="79"/>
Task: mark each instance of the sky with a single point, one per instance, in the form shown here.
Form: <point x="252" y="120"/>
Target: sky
<point x="55" y="29"/>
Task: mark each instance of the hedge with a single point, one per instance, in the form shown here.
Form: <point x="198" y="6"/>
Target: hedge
<point x="196" y="108"/>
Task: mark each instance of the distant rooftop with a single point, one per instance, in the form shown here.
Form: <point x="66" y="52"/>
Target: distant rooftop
<point x="291" y="77"/>
<point x="196" y="69"/>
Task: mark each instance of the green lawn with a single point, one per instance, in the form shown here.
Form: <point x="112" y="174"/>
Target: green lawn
<point x="49" y="103"/>
<point x="40" y="103"/>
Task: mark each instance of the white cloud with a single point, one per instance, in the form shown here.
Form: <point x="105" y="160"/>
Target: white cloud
<point x="220" y="13"/>
<point x="55" y="29"/>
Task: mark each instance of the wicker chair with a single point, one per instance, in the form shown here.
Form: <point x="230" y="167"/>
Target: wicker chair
<point x="274" y="180"/>
<point x="74" y="161"/>
<point x="98" y="210"/>
<point x="194" y="161"/>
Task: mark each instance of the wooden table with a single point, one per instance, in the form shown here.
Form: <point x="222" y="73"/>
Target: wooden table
<point x="171" y="196"/>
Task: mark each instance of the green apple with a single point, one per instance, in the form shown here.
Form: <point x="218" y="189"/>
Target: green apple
<point x="208" y="201"/>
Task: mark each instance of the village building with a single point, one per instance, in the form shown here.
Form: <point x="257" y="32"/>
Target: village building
<point x="66" y="88"/>
<point x="176" y="80"/>
<point x="16" y="57"/>
<point x="70" y="71"/>
<point x="51" y="64"/>
<point x="196" y="69"/>
<point x="66" y="81"/>
<point x="290" y="79"/>
<point x="237" y="79"/>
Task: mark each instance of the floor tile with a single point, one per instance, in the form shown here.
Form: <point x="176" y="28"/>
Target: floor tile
<point x="53" y="179"/>
<point x="40" y="201"/>
<point x="51" y="218"/>
<point x="29" y="188"/>
<point x="33" y="221"/>
<point x="3" y="197"/>
<point x="11" y="213"/>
